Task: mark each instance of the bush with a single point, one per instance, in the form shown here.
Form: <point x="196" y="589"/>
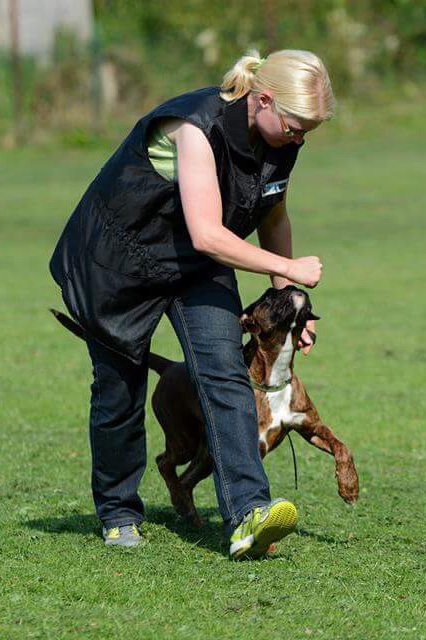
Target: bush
<point x="155" y="50"/>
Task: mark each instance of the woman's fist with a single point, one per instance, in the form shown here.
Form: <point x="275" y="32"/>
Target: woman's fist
<point x="306" y="271"/>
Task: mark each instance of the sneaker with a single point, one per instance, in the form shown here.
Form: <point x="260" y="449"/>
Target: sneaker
<point x="261" y="527"/>
<point x="127" y="535"/>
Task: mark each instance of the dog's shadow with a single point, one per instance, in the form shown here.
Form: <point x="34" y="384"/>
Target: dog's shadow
<point x="209" y="536"/>
<point x="303" y="533"/>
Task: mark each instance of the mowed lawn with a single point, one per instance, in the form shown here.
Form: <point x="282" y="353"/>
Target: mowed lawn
<point x="348" y="572"/>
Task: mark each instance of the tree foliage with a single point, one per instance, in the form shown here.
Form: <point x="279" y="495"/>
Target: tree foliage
<point x="192" y="43"/>
<point x="150" y="50"/>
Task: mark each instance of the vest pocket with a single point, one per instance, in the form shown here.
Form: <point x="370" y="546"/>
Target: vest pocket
<point x="123" y="251"/>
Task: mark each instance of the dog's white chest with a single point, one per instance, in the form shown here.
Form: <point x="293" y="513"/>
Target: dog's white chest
<point x="279" y="401"/>
<point x="279" y="404"/>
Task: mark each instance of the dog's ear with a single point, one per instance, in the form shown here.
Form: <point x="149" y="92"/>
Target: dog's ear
<point x="312" y="316"/>
<point x="249" y="324"/>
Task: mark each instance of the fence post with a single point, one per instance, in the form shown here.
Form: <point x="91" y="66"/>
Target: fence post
<point x="97" y="111"/>
<point x="16" y="70"/>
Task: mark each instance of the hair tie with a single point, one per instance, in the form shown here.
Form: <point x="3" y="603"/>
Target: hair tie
<point x="257" y="66"/>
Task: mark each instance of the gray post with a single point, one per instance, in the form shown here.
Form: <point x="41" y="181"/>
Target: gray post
<point x="16" y="70"/>
<point x="96" y="80"/>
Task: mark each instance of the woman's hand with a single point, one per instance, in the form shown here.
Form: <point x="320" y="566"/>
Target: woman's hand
<point x="306" y="271"/>
<point x="306" y="341"/>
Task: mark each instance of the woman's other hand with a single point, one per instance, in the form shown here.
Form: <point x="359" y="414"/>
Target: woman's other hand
<point x="308" y="337"/>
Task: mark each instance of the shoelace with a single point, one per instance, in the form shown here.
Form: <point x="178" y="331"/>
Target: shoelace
<point x="129" y="528"/>
<point x="115" y="532"/>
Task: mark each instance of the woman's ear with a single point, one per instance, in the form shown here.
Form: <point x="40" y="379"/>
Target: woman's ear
<point x="265" y="98"/>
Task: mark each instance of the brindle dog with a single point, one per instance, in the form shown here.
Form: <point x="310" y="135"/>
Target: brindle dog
<point x="275" y="323"/>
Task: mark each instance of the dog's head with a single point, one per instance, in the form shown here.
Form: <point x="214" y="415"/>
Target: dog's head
<point x="277" y="312"/>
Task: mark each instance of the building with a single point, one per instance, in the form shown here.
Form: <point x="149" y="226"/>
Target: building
<point x="38" y="21"/>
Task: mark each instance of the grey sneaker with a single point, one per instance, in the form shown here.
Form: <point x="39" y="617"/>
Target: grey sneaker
<point x="127" y="535"/>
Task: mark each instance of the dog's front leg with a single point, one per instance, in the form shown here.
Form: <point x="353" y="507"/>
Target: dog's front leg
<point x="322" y="437"/>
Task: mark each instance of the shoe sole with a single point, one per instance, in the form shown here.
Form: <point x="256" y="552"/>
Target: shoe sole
<point x="280" y="521"/>
<point x="127" y="544"/>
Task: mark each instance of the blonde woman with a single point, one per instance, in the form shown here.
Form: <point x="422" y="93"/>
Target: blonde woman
<point x="161" y="230"/>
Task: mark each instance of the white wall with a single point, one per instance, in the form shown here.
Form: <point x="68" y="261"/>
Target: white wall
<point x="39" y="19"/>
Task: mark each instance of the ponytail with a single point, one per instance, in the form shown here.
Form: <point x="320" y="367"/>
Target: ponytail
<point x="239" y="80"/>
<point x="297" y="79"/>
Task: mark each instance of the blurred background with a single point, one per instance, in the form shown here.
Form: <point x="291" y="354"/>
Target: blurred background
<point x="79" y="71"/>
<point x="75" y="75"/>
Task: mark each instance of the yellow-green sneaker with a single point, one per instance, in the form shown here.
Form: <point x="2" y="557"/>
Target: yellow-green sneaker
<point x="261" y="527"/>
<point x="124" y="536"/>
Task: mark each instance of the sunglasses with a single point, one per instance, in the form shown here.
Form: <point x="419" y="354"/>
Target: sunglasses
<point x="288" y="131"/>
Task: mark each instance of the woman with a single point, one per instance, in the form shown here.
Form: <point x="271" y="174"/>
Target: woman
<point x="160" y="229"/>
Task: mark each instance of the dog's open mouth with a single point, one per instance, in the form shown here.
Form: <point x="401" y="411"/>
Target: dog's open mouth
<point x="283" y="309"/>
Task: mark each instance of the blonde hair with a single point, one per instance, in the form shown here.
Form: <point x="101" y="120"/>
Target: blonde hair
<point x="298" y="80"/>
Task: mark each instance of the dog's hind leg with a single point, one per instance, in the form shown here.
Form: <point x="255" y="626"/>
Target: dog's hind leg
<point x="322" y="437"/>
<point x="198" y="469"/>
<point x="182" y="431"/>
<point x="181" y="500"/>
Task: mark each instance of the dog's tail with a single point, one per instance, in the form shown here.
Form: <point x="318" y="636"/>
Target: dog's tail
<point x="156" y="362"/>
<point x="159" y="363"/>
<point x="69" y="324"/>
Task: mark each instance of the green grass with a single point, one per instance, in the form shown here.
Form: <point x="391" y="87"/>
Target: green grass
<point x="348" y="573"/>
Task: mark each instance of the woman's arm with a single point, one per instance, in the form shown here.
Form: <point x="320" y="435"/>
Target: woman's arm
<point x="202" y="208"/>
<point x="275" y="235"/>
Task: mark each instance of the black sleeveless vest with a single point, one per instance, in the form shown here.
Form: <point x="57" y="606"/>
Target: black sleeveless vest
<point x="126" y="251"/>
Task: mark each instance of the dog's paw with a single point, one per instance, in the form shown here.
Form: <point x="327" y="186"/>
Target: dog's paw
<point x="347" y="479"/>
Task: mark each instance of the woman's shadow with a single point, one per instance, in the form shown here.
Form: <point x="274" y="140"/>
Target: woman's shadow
<point x="210" y="535"/>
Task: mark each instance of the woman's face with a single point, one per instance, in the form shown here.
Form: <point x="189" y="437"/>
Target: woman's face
<point x="276" y="129"/>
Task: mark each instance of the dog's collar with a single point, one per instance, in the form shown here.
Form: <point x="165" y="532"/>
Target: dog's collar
<point x="270" y="388"/>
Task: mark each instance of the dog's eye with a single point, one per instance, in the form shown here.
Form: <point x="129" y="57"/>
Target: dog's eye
<point x="283" y="324"/>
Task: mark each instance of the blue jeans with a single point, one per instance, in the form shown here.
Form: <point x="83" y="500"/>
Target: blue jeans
<point x="205" y="318"/>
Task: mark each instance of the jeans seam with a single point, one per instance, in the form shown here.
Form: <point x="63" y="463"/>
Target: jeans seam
<point x="220" y="469"/>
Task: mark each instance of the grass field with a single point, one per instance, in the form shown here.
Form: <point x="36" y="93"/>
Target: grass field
<point x="348" y="573"/>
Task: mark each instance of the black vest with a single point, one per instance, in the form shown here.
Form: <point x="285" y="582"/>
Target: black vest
<point x="126" y="251"/>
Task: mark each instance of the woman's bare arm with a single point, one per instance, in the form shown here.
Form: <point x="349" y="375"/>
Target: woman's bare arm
<point x="202" y="207"/>
<point x="275" y="235"/>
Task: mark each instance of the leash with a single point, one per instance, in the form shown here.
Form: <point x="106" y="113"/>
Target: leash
<point x="294" y="461"/>
<point x="272" y="388"/>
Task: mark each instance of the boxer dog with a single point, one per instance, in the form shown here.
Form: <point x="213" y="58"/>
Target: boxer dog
<point x="275" y="323"/>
